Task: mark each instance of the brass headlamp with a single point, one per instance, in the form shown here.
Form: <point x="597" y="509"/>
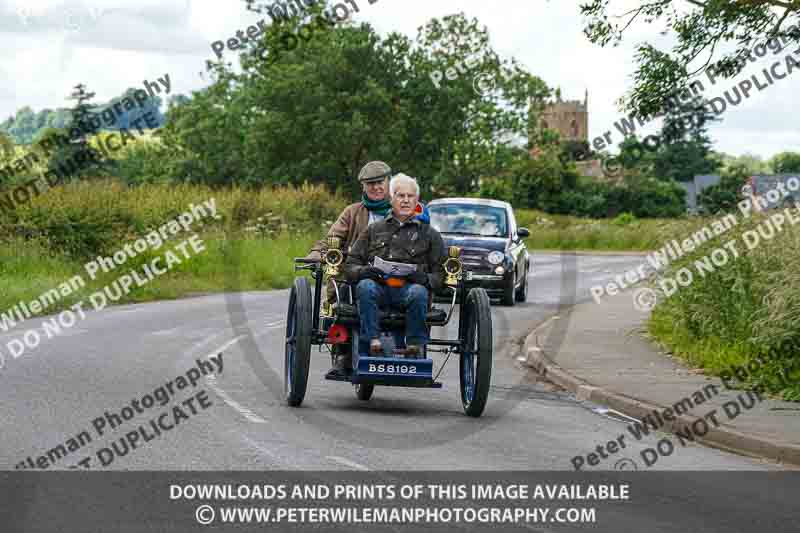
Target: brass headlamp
<point x="333" y="256"/>
<point x="452" y="266"/>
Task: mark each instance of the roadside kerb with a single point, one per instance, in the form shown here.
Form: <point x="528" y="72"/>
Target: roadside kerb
<point x="717" y="437"/>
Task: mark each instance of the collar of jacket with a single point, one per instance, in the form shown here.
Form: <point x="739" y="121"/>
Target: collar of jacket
<point x="413" y="220"/>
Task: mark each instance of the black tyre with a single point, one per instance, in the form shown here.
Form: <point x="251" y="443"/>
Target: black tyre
<point x="522" y="293"/>
<point x="475" y="368"/>
<point x="508" y="290"/>
<point x="298" y="342"/>
<point x="364" y="391"/>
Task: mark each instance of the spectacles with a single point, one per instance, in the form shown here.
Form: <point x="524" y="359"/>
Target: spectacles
<point x="409" y="196"/>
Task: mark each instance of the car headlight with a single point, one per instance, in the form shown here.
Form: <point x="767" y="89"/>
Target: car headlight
<point x="496" y="257"/>
<point x="500" y="271"/>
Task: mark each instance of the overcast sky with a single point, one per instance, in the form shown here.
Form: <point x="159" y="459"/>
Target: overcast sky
<point x="47" y="46"/>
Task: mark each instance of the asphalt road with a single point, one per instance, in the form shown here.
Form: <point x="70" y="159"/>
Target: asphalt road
<point x="53" y="393"/>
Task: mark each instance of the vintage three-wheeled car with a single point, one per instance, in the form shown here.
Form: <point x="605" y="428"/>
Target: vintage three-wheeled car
<point x="311" y="323"/>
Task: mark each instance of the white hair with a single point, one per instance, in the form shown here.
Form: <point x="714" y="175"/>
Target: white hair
<point x="402" y="178"/>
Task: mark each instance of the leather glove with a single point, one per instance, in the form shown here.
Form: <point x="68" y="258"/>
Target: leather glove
<point x="420" y="278"/>
<point x="370" y="272"/>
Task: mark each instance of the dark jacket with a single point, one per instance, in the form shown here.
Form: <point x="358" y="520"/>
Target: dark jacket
<point x="411" y="242"/>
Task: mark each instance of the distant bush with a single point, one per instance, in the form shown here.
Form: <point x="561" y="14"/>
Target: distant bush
<point x="723" y="196"/>
<point x="551" y="185"/>
<point x="624" y="219"/>
<point x="644" y="198"/>
<point x="83" y="219"/>
<point x="142" y="162"/>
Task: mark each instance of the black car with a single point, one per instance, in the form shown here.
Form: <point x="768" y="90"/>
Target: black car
<point x="491" y="243"/>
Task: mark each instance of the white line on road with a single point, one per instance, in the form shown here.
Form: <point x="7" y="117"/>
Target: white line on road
<point x="205" y="341"/>
<point x="347" y="462"/>
<point x="260" y="448"/>
<point x="244" y="411"/>
<point x="212" y="382"/>
<point x="165" y="331"/>
<point x="71" y="332"/>
<point x="221" y="348"/>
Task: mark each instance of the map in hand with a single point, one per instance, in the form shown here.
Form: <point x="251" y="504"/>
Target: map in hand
<point x="394" y="269"/>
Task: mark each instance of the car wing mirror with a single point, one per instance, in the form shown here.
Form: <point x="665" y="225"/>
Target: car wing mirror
<point x="523" y="233"/>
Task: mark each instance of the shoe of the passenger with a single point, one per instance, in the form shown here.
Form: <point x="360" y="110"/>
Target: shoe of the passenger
<point x="342" y="366"/>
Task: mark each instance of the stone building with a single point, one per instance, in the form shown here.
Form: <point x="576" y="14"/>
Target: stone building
<point x="569" y="118"/>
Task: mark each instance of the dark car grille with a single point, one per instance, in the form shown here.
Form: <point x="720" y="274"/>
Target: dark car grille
<point x="475" y="261"/>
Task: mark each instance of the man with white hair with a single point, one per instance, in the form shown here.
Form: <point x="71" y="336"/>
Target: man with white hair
<point x="399" y="238"/>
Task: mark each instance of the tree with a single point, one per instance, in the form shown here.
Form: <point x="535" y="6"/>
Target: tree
<point x="576" y="151"/>
<point x="177" y="99"/>
<point x="636" y="158"/>
<point x="81" y="116"/>
<point x="685" y="148"/>
<point x="725" y="195"/>
<point x="7" y="148"/>
<point x="532" y="181"/>
<point x="24" y="127"/>
<point x="786" y="163"/>
<point x="27" y="124"/>
<point x="131" y="111"/>
<point x="752" y="164"/>
<point x="721" y="197"/>
<point x="701" y="27"/>
<point x="79" y="157"/>
<point x="345" y="95"/>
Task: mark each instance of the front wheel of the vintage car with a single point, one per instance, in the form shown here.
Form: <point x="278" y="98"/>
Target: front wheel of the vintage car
<point x="475" y="368"/>
<point x="298" y="342"/>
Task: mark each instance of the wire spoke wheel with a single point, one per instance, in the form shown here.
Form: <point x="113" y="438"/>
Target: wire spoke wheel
<point x="475" y="363"/>
<point x="298" y="342"/>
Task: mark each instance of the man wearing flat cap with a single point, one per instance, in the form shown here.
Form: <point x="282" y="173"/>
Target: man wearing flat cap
<point x="354" y="220"/>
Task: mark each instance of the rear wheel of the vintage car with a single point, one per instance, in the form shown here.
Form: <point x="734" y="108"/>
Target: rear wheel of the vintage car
<point x="364" y="391"/>
<point x="475" y="368"/>
<point x="298" y="342"/>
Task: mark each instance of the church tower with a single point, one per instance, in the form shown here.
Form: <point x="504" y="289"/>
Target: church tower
<point x="569" y="118"/>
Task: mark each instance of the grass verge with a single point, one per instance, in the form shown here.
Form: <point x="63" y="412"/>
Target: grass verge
<point x="27" y="270"/>
<point x="745" y="313"/>
<point x="624" y="233"/>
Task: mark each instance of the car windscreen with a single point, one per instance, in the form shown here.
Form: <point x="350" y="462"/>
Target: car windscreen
<point x="465" y="219"/>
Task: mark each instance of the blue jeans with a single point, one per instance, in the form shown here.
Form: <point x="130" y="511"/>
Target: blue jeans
<point x="372" y="295"/>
